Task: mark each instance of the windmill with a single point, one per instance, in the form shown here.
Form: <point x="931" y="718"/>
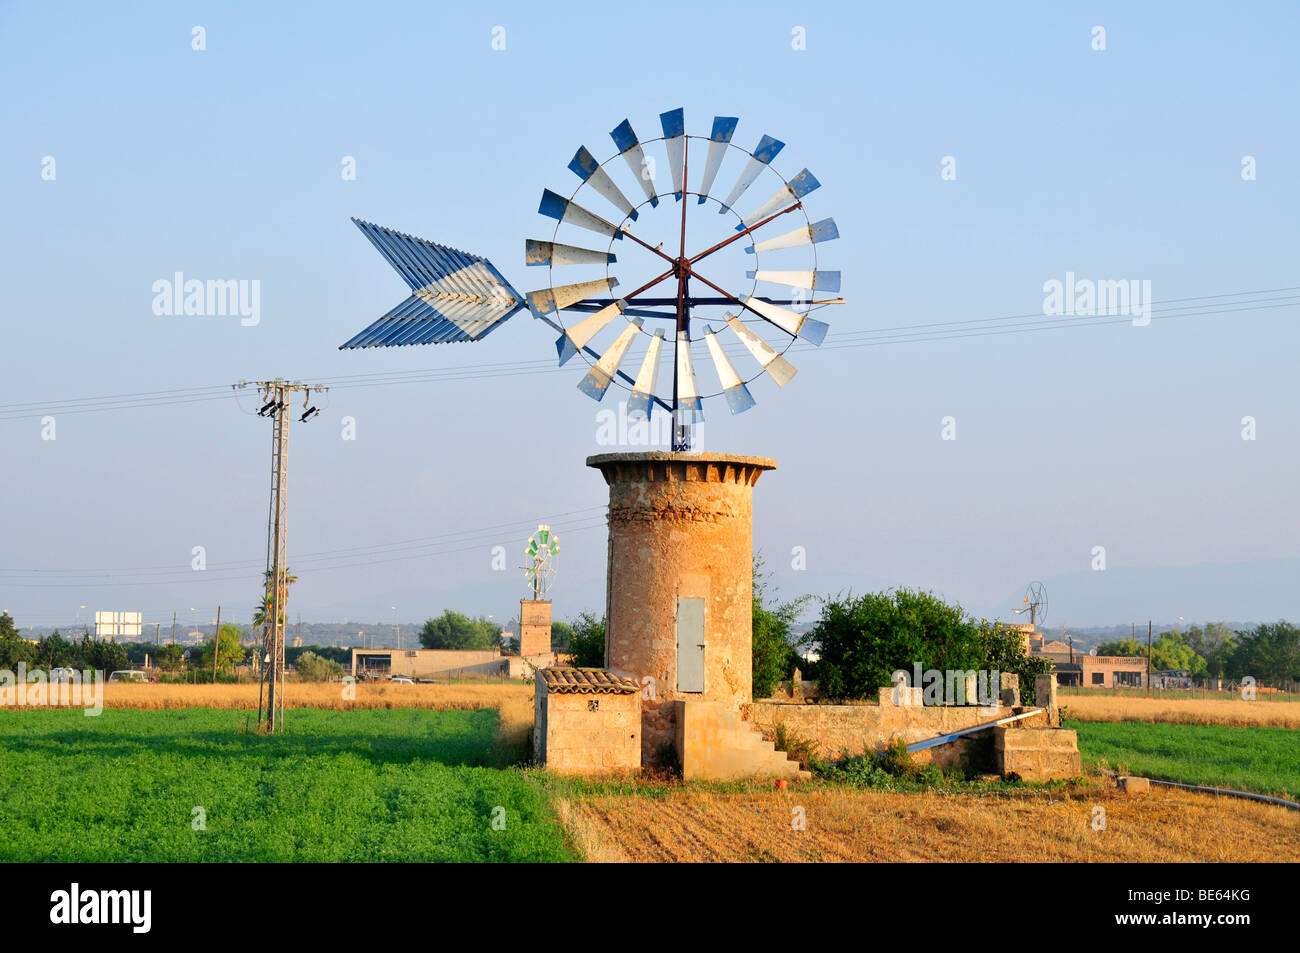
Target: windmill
<point x="1035" y="603"/>
<point x="457" y="296"/>
<point x="543" y="548"/>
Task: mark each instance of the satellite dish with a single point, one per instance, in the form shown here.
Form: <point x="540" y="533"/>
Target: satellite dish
<point x="461" y="297"/>
<point x="1092" y="651"/>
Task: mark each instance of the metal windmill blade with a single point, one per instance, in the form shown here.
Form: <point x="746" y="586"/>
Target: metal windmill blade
<point x="630" y="148"/>
<point x="724" y="127"/>
<point x="762" y="156"/>
<point x="457" y="296"/>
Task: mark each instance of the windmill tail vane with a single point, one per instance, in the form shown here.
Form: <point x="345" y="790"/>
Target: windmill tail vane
<point x="673" y="311"/>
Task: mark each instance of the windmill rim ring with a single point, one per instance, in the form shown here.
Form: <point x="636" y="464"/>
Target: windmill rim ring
<point x="658" y="196"/>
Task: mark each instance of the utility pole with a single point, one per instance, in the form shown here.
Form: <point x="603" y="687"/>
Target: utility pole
<point x="1148" y="658"/>
<point x="173" y="628"/>
<point x="276" y="396"/>
<point x="216" y="646"/>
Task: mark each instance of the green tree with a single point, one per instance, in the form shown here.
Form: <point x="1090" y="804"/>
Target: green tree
<point x="100" y="654"/>
<point x="313" y="668"/>
<point x="451" y="630"/>
<point x="54" y="651"/>
<point x="561" y="636"/>
<point x="1270" y="652"/>
<point x="230" y="652"/>
<point x="1171" y="652"/>
<point x="262" y="612"/>
<point x="1126" y="646"/>
<point x="1004" y="651"/>
<point x="13" y="647"/>
<point x="170" y="658"/>
<point x="587" y="644"/>
<point x="1215" y="643"/>
<point x="774" y="658"/>
<point x="864" y="640"/>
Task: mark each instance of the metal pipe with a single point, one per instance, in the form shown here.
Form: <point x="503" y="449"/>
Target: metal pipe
<point x="944" y="739"/>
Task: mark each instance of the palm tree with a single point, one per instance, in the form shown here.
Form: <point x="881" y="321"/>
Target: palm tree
<point x="262" y="612"/>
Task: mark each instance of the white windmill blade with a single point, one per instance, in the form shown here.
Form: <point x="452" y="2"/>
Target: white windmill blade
<point x="724" y="127"/>
<point x="556" y="206"/>
<point x="599" y="377"/>
<point x="674" y="126"/>
<point x="585" y="167"/>
<point x="808" y="280"/>
<point x="739" y="399"/>
<point x="643" y="390"/>
<point x="538" y="252"/>
<point x="788" y="194"/>
<point x="780" y="370"/>
<point x="546" y="300"/>
<point x="822" y="231"/>
<point x="689" y="406"/>
<point x="579" y="336"/>
<point x="762" y="157"/>
<point x="792" y="323"/>
<point x="630" y="148"/>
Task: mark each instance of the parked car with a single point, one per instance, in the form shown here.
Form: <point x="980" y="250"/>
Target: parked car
<point x="124" y="675"/>
<point x="402" y="680"/>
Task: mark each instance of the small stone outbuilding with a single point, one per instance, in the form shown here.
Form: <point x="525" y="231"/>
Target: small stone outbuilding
<point x="586" y="721"/>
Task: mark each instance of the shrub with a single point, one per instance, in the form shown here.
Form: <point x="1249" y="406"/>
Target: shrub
<point x="587" y="643"/>
<point x="312" y="668"/>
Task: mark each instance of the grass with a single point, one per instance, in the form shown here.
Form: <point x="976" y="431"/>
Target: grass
<point x="1182" y="710"/>
<point x="368" y="785"/>
<point x="1263" y="760"/>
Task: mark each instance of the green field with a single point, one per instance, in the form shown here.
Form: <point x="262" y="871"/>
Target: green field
<point x="1263" y="760"/>
<point x="382" y="785"/>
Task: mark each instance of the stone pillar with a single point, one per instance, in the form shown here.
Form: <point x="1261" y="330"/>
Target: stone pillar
<point x="680" y="540"/>
<point x="1045" y="697"/>
<point x="1010" y="689"/>
<point x="534" y="627"/>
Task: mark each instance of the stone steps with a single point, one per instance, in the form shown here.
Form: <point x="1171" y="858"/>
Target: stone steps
<point x="715" y="744"/>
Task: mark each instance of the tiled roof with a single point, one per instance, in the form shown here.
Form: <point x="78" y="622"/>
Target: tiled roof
<point x="587" y="681"/>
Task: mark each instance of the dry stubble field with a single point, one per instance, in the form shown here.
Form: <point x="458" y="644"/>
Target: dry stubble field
<point x="1183" y="711"/>
<point x="849" y="825"/>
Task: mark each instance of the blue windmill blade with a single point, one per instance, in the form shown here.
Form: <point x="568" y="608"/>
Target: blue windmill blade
<point x="823" y="231"/>
<point x="798" y="187"/>
<point x="690" y="407"/>
<point x="554" y="253"/>
<point x="556" y="206"/>
<point x="602" y="372"/>
<point x="724" y="127"/>
<point x="455" y="296"/>
<point x="808" y="280"/>
<point x="738" y="396"/>
<point x="585" y="167"/>
<point x="630" y="148"/>
<point x="762" y="157"/>
<point x="642" y="399"/>
<point x="674" y="126"/>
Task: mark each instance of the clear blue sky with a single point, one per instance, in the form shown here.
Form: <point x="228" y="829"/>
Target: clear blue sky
<point x="225" y="163"/>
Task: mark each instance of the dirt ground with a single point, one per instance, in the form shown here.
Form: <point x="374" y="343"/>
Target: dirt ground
<point x="854" y="825"/>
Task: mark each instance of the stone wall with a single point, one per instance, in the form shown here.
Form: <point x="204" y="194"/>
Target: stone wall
<point x="849" y="731"/>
